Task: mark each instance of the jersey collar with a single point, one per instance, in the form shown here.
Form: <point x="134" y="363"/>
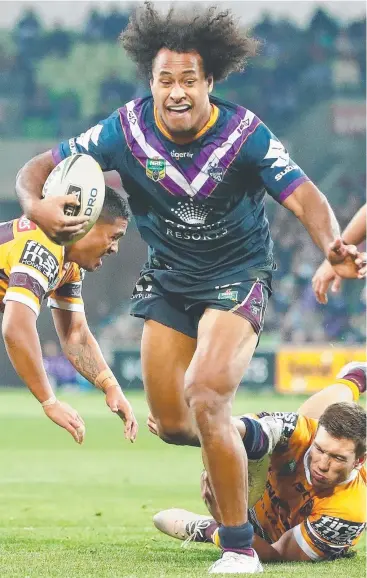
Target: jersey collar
<point x="212" y="120"/>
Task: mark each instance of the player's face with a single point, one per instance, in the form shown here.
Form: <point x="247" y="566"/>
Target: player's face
<point x="331" y="460"/>
<point x="102" y="240"/>
<point x="181" y="93"/>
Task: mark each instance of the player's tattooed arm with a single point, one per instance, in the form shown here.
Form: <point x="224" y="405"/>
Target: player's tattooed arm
<point x="83" y="351"/>
<point x="86" y="356"/>
<point x="79" y="344"/>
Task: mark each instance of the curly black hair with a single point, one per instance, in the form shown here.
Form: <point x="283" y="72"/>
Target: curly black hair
<point x="212" y="32"/>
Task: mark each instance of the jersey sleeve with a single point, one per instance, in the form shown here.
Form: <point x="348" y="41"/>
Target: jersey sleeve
<point x="324" y="536"/>
<point x="104" y="142"/>
<point x="32" y="267"/>
<point x="279" y="174"/>
<point x="68" y="295"/>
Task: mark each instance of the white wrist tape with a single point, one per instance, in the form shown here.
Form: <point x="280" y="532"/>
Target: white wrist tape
<point x="50" y="401"/>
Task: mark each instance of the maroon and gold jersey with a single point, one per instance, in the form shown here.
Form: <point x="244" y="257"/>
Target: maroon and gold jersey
<point x="325" y="524"/>
<point x="32" y="267"/>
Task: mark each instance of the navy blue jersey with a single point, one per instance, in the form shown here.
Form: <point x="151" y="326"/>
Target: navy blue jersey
<point x="199" y="206"/>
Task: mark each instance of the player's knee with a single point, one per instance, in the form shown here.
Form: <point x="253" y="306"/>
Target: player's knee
<point x="206" y="396"/>
<point x="173" y="432"/>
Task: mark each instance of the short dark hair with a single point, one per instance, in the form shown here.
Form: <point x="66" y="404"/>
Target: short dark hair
<point x="213" y="32"/>
<point x="346" y="420"/>
<point x="114" y="206"/>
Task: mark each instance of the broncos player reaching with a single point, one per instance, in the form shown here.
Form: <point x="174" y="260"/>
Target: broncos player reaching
<point x="196" y="169"/>
<point x="33" y="268"/>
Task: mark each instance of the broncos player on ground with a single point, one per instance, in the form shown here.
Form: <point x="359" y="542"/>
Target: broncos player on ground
<point x="312" y="503"/>
<point x="196" y="169"/>
<point x="32" y="267"/>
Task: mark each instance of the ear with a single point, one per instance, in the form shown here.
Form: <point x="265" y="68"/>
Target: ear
<point x="359" y="463"/>
<point x="210" y="82"/>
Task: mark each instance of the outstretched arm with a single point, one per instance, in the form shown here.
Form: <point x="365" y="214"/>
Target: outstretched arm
<point x="24" y="350"/>
<point x="83" y="351"/>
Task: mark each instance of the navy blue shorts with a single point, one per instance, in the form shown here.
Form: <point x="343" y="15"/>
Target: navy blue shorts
<point x="248" y="299"/>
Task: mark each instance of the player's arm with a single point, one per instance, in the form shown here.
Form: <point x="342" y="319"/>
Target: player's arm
<point x="104" y="142"/>
<point x="311" y="207"/>
<point x="285" y="181"/>
<point x="83" y="351"/>
<point x="354" y="233"/>
<point x="24" y="350"/>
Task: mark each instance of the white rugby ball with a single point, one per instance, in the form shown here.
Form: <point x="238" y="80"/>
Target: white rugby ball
<point x="78" y="175"/>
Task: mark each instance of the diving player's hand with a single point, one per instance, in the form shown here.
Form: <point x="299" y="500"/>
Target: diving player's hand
<point x="343" y="259"/>
<point x="324" y="276"/>
<point x="65" y="416"/>
<point x="118" y="403"/>
<point x="49" y="215"/>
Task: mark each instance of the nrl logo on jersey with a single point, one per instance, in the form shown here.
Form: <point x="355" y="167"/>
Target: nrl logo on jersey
<point x="155" y="169"/>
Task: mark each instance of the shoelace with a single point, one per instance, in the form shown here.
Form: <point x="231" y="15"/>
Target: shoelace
<point x="195" y="529"/>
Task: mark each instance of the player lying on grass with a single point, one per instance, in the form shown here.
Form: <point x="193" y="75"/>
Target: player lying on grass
<point x="33" y="267"/>
<point x="354" y="233"/>
<point x="313" y="506"/>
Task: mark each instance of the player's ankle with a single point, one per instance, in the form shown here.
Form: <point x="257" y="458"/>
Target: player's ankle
<point x="236" y="538"/>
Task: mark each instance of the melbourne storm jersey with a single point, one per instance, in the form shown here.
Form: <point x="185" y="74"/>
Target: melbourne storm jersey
<point x="199" y="206"/>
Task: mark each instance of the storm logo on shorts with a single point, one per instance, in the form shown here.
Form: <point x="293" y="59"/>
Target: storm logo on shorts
<point x="156" y="169"/>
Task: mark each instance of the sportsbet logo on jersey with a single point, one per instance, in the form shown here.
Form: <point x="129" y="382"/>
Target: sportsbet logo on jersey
<point x="156" y="169"/>
<point x="37" y="256"/>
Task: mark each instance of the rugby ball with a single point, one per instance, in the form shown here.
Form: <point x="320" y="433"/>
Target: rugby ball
<point x="78" y="175"/>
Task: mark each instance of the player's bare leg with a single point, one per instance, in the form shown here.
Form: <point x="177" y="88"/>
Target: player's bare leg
<point x="225" y="346"/>
<point x="349" y="383"/>
<point x="165" y="356"/>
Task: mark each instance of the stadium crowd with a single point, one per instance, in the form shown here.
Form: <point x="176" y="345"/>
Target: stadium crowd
<point x="297" y="67"/>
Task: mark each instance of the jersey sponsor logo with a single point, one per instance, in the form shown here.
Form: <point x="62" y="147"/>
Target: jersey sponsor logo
<point x="92" y="135"/>
<point x="289" y="424"/>
<point x="191" y="213"/>
<point x="37" y="256"/>
<point x="26" y="281"/>
<point x="155" y="169"/>
<point x="277" y="151"/>
<point x="228" y="294"/>
<point x="184" y="155"/>
<point x="287" y="170"/>
<point x="25" y="224"/>
<point x="337" y="531"/>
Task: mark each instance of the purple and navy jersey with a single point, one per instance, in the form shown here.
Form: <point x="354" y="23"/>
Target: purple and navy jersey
<point x="198" y="206"/>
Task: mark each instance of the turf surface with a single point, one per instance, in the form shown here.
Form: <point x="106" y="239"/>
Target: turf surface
<point x="80" y="512"/>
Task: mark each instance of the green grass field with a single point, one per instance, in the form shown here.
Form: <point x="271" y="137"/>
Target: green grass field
<point x="80" y="512"/>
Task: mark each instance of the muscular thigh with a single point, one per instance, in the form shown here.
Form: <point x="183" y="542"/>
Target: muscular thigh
<point x="225" y="346"/>
<point x="165" y="355"/>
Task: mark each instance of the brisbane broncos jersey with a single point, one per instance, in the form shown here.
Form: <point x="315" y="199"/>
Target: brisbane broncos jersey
<point x="32" y="267"/>
<point x="325" y="524"/>
<point x="199" y="206"/>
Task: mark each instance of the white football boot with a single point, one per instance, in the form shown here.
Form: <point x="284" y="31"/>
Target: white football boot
<point x="182" y="524"/>
<point x="234" y="563"/>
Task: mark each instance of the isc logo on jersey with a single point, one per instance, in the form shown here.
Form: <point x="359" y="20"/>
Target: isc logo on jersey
<point x="37" y="256"/>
